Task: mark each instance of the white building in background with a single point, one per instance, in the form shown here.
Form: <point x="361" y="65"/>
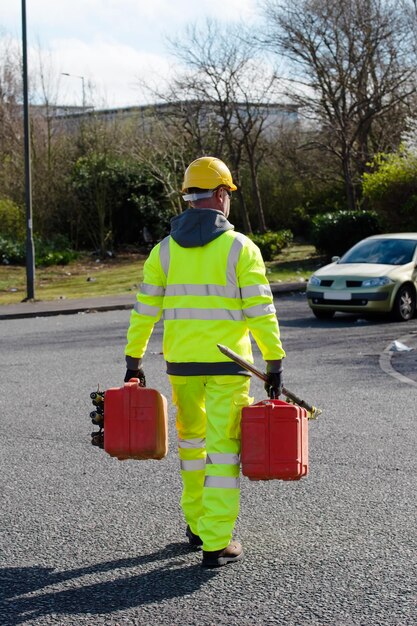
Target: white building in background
<point x="272" y="115"/>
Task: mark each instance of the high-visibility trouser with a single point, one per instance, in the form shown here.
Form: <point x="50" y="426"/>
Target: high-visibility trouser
<point x="208" y="424"/>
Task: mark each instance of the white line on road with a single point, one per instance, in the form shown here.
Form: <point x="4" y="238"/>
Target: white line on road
<point x="385" y="361"/>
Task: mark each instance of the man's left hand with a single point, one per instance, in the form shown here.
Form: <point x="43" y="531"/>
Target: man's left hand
<point x="273" y="386"/>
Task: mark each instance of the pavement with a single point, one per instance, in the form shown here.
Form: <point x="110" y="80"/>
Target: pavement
<point x="43" y="308"/>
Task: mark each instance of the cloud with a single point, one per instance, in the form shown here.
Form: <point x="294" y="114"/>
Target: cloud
<point x="112" y="71"/>
<point x="113" y="43"/>
<point x="130" y="21"/>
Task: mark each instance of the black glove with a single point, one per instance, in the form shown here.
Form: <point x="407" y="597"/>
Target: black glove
<point x="136" y="374"/>
<point x="273" y="386"/>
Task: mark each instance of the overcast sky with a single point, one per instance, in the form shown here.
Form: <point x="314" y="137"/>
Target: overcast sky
<point x="112" y="43"/>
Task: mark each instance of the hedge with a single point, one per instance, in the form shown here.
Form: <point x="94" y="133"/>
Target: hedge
<point x="334" y="233"/>
<point x="270" y="244"/>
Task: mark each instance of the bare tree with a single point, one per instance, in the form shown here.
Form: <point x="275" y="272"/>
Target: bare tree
<point x="156" y="137"/>
<point x="409" y="138"/>
<point x="11" y="129"/>
<point x="410" y="9"/>
<point x="50" y="150"/>
<point x="53" y="151"/>
<point x="234" y="88"/>
<point x="352" y="67"/>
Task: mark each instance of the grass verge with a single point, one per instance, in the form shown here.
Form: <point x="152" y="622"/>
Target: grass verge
<point x="295" y="263"/>
<point x="87" y="278"/>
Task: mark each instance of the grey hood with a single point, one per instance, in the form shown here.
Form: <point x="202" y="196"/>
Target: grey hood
<point x="197" y="227"/>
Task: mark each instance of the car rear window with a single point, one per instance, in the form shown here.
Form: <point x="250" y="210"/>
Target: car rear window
<point x="381" y="251"/>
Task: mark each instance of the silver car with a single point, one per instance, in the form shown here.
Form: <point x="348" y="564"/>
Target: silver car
<point x="377" y="275"/>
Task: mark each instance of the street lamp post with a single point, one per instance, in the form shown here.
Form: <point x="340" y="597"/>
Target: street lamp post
<point x="82" y="82"/>
<point x="30" y="248"/>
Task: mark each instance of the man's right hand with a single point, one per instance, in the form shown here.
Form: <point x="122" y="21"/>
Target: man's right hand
<point x="136" y="374"/>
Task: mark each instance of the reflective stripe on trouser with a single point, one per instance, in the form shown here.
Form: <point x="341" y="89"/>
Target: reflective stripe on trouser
<point x="208" y="424"/>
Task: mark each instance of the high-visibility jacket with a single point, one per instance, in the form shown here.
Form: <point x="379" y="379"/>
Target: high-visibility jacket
<point x="208" y="283"/>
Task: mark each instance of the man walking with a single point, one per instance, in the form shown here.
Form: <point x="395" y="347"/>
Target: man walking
<point x="208" y="283"/>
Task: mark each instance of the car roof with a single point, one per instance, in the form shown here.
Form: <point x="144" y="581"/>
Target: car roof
<point x="394" y="236"/>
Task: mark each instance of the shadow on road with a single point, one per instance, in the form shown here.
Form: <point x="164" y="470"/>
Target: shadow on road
<point x="174" y="578"/>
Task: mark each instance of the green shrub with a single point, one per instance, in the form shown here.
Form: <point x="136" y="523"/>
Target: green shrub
<point x="12" y="220"/>
<point x="53" y="252"/>
<point x="270" y="244"/>
<point x="391" y="189"/>
<point x="117" y="198"/>
<point x="12" y="252"/>
<point x="334" y="233"/>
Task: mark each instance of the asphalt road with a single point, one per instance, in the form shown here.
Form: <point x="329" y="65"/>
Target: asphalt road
<point x="86" y="539"/>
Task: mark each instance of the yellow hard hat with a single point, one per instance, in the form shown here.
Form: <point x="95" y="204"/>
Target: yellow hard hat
<point x="207" y="173"/>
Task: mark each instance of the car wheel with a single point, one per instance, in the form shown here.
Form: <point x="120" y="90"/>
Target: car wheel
<point x="404" y="304"/>
<point x="322" y="314"/>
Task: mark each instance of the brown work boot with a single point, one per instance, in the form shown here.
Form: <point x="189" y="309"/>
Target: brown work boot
<point x="231" y="553"/>
<point x="193" y="539"/>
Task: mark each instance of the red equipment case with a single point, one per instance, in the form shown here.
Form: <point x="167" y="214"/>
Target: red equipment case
<point x="135" y="422"/>
<point x="274" y="441"/>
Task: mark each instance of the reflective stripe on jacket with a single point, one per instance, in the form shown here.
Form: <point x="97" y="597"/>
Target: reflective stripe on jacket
<point x="209" y="294"/>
